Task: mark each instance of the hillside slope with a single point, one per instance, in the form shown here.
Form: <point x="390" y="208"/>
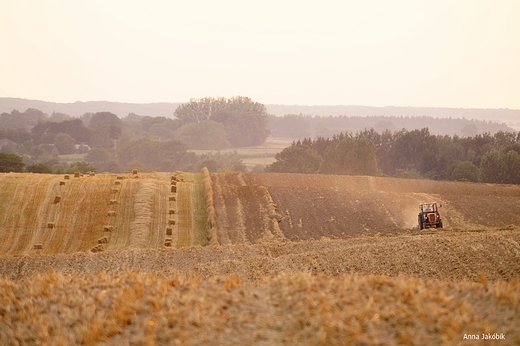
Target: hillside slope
<point x="259" y="207"/>
<point x="49" y="214"/>
<point x="76" y="214"/>
<point x="317" y="260"/>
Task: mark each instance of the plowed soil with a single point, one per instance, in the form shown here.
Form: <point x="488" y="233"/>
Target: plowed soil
<point x="302" y="207"/>
<point x="303" y="259"/>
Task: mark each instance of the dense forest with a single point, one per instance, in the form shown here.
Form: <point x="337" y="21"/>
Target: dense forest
<point x="408" y="154"/>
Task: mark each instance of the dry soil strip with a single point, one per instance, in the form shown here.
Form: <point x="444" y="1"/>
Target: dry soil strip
<point x="143" y="204"/>
<point x="183" y="213"/>
<point x="32" y="215"/>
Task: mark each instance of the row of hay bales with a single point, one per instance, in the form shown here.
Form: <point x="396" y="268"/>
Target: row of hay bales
<point x="211" y="222"/>
<point x="79" y="175"/>
<point x="57" y="200"/>
<point x="109" y="227"/>
<point x="172" y="200"/>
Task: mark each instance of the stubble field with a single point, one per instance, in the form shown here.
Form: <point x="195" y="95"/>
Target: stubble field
<point x="292" y="259"/>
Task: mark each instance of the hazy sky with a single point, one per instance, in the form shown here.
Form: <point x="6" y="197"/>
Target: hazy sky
<point x="456" y="53"/>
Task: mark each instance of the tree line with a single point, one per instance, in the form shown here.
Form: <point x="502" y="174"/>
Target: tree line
<point x="142" y="142"/>
<point x="304" y="126"/>
<point x="410" y="154"/>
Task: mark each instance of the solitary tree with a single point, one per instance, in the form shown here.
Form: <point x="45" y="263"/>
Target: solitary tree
<point x="244" y="120"/>
<point x="105" y="128"/>
<point x="64" y="143"/>
<point x="11" y="163"/>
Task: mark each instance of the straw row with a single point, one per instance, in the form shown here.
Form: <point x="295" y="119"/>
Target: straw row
<point x="211" y="223"/>
<point x="172" y="199"/>
<point x="108" y="228"/>
<point x="55" y="202"/>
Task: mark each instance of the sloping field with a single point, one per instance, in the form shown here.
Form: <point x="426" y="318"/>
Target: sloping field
<point x="450" y="255"/>
<point x="426" y="289"/>
<point x="253" y="208"/>
<point x="51" y="214"/>
<point x="302" y="259"/>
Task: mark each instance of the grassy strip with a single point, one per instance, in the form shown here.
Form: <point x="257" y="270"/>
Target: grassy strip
<point x="211" y="224"/>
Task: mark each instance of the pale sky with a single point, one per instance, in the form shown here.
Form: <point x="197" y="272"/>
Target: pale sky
<point x="438" y="53"/>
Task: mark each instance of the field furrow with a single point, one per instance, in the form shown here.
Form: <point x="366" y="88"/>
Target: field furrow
<point x="47" y="213"/>
<point x="143" y="207"/>
<point x="80" y="231"/>
<point x="124" y="193"/>
<point x="312" y="258"/>
<point x="14" y="214"/>
<point x="189" y="212"/>
<point x="160" y="207"/>
<point x="199" y="234"/>
<point x="183" y="213"/>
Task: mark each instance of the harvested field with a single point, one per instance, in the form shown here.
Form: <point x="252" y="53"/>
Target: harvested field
<point x="315" y="206"/>
<point x="318" y="260"/>
<point x="281" y="310"/>
<point x="37" y="209"/>
<point x="455" y="256"/>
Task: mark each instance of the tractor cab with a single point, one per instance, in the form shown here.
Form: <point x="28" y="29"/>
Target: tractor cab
<point x="429" y="216"/>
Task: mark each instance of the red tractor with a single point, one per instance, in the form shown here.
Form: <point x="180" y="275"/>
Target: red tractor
<point x="429" y="216"/>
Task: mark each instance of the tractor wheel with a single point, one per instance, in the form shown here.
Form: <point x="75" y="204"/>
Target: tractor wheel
<point x="440" y="224"/>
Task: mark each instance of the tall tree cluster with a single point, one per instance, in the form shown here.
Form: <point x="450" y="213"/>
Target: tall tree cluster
<point x="244" y="121"/>
<point x="480" y="158"/>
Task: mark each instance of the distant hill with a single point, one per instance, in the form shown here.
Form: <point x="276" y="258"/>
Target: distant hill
<point x="79" y="108"/>
<point x="510" y="117"/>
